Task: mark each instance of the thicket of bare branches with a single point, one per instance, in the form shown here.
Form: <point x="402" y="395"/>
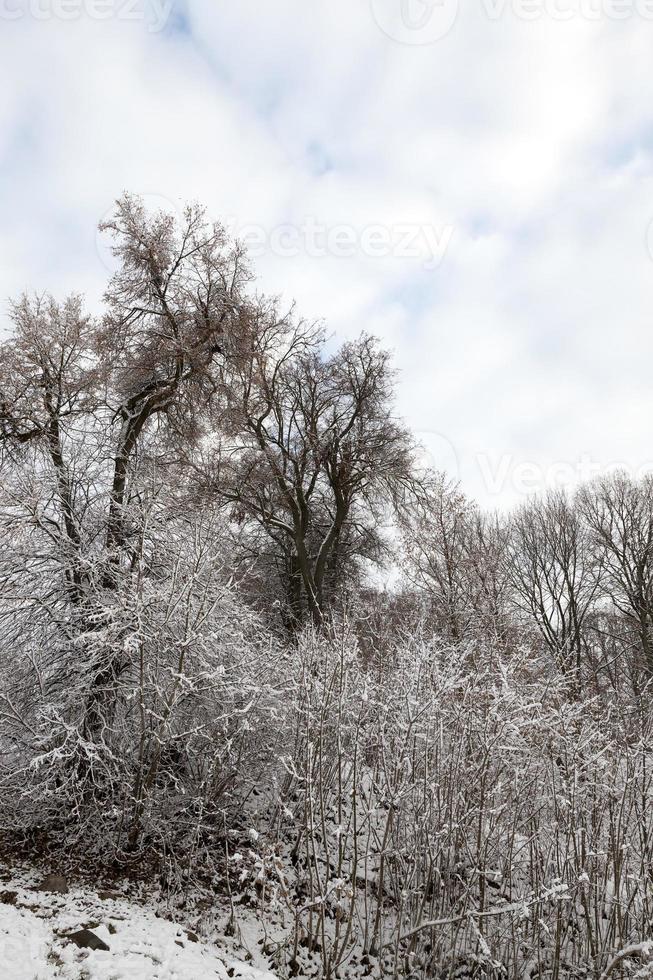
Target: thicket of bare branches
<point x="200" y="678"/>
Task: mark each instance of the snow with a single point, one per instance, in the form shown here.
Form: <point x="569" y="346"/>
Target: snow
<point x="143" y="946"/>
<point x="24" y="942"/>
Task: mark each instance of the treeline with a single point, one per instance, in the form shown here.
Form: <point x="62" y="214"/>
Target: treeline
<point x="197" y="492"/>
<point x="571" y="575"/>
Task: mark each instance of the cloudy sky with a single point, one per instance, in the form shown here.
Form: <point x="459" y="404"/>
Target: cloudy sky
<point x="470" y="181"/>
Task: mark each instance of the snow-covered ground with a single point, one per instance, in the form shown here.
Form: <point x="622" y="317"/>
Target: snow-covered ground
<point x="35" y="924"/>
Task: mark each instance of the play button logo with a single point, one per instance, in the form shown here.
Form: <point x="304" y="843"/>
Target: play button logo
<point x="415" y="21"/>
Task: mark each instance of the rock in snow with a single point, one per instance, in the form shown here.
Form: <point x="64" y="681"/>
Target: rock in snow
<point x="41" y="935"/>
<point x="86" y="939"/>
<point x="53" y="883"/>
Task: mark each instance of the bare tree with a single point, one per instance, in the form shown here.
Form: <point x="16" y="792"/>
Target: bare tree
<point x="313" y="455"/>
<point x="619" y="512"/>
<point x="88" y="404"/>
<point x="555" y="573"/>
<point x="454" y="556"/>
<point x="436" y="531"/>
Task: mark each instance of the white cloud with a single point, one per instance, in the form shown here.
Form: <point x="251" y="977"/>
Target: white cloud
<point x="532" y="141"/>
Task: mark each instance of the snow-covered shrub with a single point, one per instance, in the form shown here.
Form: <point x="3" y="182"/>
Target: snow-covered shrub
<point x="140" y="726"/>
<point x="434" y="817"/>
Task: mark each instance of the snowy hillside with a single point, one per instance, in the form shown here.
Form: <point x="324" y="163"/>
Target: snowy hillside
<point x="36" y="926"/>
